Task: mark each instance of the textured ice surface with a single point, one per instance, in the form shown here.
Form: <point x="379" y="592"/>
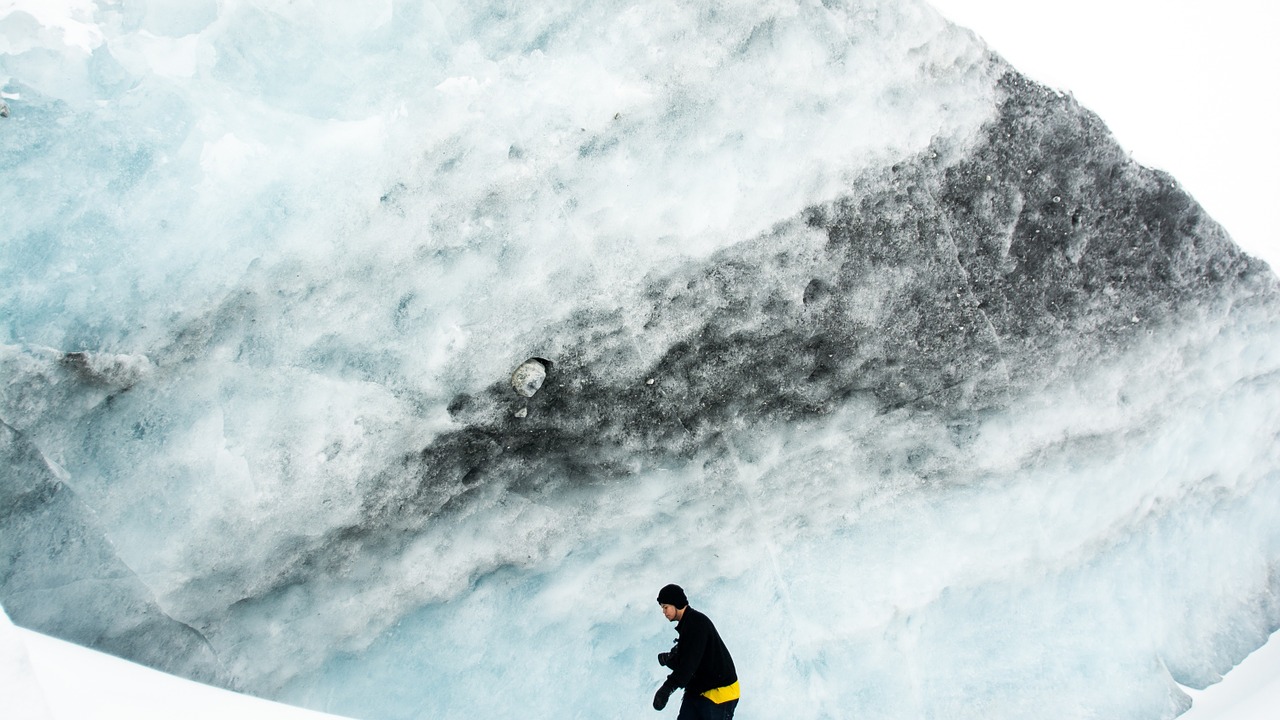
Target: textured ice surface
<point x="933" y="399"/>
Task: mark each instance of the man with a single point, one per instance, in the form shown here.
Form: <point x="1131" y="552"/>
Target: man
<point x="699" y="663"/>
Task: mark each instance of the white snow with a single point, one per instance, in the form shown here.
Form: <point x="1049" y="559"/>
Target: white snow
<point x="1251" y="691"/>
<point x="61" y="681"/>
<point x="20" y="687"/>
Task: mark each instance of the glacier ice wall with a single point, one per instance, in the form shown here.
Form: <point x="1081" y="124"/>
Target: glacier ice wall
<point x="934" y="400"/>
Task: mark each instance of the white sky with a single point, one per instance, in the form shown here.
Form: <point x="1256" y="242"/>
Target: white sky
<point x="1189" y="87"/>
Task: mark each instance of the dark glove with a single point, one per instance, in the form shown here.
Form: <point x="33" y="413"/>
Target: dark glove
<point x="668" y="659"/>
<point x="661" y="697"/>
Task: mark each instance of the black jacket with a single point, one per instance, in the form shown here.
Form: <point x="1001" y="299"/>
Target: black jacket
<point x="700" y="660"/>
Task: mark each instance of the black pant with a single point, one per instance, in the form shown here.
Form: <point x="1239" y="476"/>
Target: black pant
<point x="697" y="707"/>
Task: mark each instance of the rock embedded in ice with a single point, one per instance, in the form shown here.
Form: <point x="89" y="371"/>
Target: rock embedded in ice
<point x="4" y="109"/>
<point x="116" y="370"/>
<point x="528" y="378"/>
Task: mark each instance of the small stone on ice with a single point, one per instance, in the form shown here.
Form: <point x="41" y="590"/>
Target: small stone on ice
<point x="528" y="378"/>
<point x="522" y="412"/>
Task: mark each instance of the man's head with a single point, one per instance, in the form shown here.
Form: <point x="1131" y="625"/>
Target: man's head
<point x="673" y="602"/>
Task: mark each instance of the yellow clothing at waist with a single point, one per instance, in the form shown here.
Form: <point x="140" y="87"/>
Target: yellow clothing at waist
<point x="723" y="694"/>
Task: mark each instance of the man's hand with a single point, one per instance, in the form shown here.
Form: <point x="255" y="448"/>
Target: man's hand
<point x="662" y="696"/>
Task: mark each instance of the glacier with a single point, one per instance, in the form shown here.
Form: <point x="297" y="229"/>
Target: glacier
<point x="935" y="400"/>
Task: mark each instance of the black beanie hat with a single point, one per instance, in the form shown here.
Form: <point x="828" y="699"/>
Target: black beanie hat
<point x="673" y="595"/>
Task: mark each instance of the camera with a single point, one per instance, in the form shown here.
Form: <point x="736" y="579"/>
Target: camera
<point x="668" y="659"/>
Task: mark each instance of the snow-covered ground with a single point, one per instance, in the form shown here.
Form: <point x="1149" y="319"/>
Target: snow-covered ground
<point x="48" y="679"/>
<point x="1249" y="692"/>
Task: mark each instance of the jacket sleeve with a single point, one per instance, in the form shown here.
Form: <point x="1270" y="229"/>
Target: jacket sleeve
<point x="693" y="644"/>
